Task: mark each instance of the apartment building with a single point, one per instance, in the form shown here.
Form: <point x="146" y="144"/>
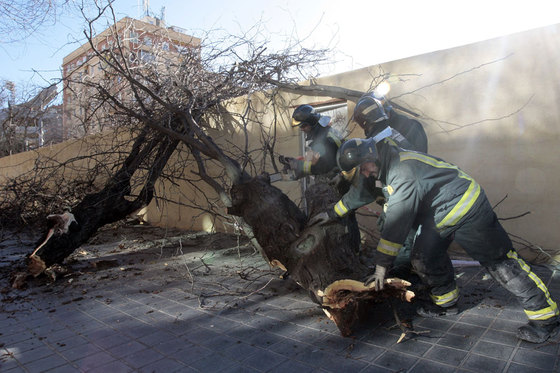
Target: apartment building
<point x="142" y="42"/>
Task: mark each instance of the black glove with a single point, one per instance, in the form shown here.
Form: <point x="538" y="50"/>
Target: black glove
<point x="288" y="162"/>
<point x="378" y="277"/>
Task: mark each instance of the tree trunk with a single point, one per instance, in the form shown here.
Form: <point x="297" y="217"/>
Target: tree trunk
<point x="319" y="258"/>
<point x="111" y="204"/>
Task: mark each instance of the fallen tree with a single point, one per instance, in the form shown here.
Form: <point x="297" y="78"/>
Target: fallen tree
<point x="176" y="107"/>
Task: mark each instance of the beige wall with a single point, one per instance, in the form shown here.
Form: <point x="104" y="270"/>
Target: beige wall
<point x="490" y="107"/>
<point x="493" y="109"/>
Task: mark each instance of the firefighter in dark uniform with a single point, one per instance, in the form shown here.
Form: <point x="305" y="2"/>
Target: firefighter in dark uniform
<point x="323" y="142"/>
<point x="447" y="204"/>
<point x="373" y="117"/>
<point x="380" y="122"/>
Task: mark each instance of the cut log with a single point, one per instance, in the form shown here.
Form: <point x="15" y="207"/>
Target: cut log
<point x="319" y="258"/>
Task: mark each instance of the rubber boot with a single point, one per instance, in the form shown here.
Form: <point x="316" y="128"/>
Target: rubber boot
<point x="428" y="309"/>
<point x="539" y="331"/>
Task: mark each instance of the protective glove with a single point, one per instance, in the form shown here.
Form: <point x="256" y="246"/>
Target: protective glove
<point x="321" y="218"/>
<point x="378" y="277"/>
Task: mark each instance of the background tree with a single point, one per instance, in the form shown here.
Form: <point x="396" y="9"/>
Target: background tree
<point x="21" y="18"/>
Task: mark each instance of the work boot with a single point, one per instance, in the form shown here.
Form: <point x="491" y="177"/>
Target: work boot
<point x="538" y="331"/>
<point x="433" y="310"/>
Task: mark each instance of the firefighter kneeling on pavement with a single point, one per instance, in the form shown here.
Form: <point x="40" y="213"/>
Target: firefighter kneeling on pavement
<point x="447" y="204"/>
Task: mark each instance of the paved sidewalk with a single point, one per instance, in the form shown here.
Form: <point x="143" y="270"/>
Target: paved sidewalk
<point x="168" y="306"/>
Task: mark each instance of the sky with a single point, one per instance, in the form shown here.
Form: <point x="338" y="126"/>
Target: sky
<point x="361" y="33"/>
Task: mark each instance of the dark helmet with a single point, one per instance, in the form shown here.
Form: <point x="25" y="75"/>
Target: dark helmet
<point x="369" y="110"/>
<point x="306" y="114"/>
<point x="354" y="152"/>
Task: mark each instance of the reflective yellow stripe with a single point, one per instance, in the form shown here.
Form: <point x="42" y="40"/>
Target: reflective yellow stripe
<point x="447" y="298"/>
<point x="545" y="313"/>
<point x="335" y="139"/>
<point x="462" y="207"/>
<point x="340" y="209"/>
<point x="469" y="197"/>
<point x="388" y="247"/>
<point x="390" y="141"/>
<point x="307" y="167"/>
<point x="390" y="190"/>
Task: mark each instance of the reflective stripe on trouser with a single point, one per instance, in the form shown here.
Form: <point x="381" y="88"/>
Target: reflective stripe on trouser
<point x="515" y="275"/>
<point x="484" y="239"/>
<point x="447" y="299"/>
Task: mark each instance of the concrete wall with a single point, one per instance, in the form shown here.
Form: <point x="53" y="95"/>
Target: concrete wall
<point x="489" y="107"/>
<point x="493" y="109"/>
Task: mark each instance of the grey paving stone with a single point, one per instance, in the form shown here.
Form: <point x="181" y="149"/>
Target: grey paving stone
<point x="113" y="367"/>
<point x="336" y="343"/>
<point x="548" y="347"/>
<point x="190" y="354"/>
<point x="7" y="361"/>
<point x="16" y="369"/>
<point x="142" y="358"/>
<point x="165" y="365"/>
<point x="535" y="359"/>
<point x="93" y="361"/>
<point x="478" y="320"/>
<point x="382" y="337"/>
<point x="114" y="339"/>
<point x="500" y="336"/>
<point x="447" y="355"/>
<point x="292" y="366"/>
<point x="81" y="351"/>
<point x="433" y="324"/>
<point x="424" y="366"/>
<point x="480" y="363"/>
<point x="372" y="368"/>
<point x="30" y="355"/>
<point x="395" y="361"/>
<point x="213" y="363"/>
<point x="22" y="345"/>
<point x="415" y="346"/>
<point x="520" y="368"/>
<point x="45" y="363"/>
<point x="461" y="342"/>
<point x="200" y="335"/>
<point x="364" y="351"/>
<point x="495" y="350"/>
<point x="507" y="325"/>
<point x="287" y="347"/>
<point x="125" y="349"/>
<point x="345" y="364"/>
<point x="467" y="330"/>
<point x="264" y="361"/>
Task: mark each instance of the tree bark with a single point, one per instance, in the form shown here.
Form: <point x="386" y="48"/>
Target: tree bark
<point x="106" y="206"/>
<point x="319" y="258"/>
